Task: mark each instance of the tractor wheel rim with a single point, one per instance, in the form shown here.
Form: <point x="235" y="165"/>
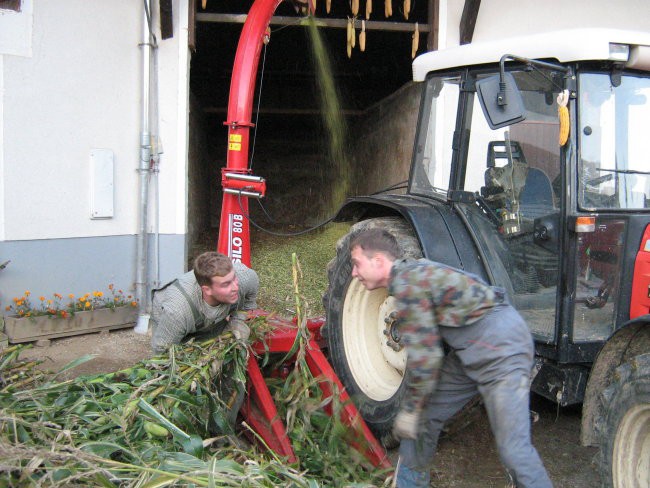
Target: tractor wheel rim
<point x="370" y="349"/>
<point x="631" y="457"/>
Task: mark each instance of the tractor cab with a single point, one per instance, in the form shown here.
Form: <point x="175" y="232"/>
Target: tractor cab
<point x="556" y="204"/>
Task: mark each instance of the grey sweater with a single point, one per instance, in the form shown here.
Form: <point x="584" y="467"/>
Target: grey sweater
<point x="172" y="315"/>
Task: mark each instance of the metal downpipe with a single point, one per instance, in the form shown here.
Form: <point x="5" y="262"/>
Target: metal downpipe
<point x="141" y="281"/>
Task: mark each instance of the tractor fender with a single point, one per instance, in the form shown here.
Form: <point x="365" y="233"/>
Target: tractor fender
<point x="629" y="341"/>
<point x="441" y="231"/>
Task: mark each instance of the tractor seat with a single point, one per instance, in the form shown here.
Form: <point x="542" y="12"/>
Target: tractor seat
<point x="536" y="197"/>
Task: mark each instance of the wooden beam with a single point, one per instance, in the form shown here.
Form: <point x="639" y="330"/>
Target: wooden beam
<point x="166" y="19"/>
<point x="321" y="22"/>
<point x="468" y="20"/>
<point x="286" y="111"/>
<point x="434" y="20"/>
<point x="191" y="25"/>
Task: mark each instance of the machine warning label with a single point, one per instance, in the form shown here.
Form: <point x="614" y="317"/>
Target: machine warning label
<point x="234" y="142"/>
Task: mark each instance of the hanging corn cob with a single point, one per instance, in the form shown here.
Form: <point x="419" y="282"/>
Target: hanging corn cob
<point x="368" y="9"/>
<point x="353" y="38"/>
<point x="328" y="5"/>
<point x="407" y="8"/>
<point x="388" y="8"/>
<point x="204" y="3"/>
<point x="355" y="7"/>
<point x="362" y="36"/>
<point x="416" y="40"/>
<point x="563" y="115"/>
<point x="350" y="33"/>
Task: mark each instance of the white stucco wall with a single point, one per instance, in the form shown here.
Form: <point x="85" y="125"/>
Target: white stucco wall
<point x="76" y="89"/>
<point x="70" y="82"/>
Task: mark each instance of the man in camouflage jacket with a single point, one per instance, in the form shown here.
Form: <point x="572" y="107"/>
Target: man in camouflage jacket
<point x="491" y="352"/>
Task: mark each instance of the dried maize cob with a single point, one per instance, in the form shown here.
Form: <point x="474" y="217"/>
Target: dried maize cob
<point x="328" y="6"/>
<point x="368" y="8"/>
<point x="355" y="7"/>
<point x="416" y="41"/>
<point x="349" y="37"/>
<point x="362" y="36"/>
<point x="353" y="37"/>
<point x="204" y="3"/>
<point x="407" y="8"/>
<point x="388" y="8"/>
<point x="563" y="116"/>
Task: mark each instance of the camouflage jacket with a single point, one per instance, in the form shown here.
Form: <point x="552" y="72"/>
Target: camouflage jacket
<point x="430" y="295"/>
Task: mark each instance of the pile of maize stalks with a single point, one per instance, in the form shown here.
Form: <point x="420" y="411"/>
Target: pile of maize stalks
<point x="167" y="421"/>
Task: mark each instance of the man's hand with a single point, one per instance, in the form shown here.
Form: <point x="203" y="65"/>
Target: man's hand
<point x="240" y="330"/>
<point x="406" y="425"/>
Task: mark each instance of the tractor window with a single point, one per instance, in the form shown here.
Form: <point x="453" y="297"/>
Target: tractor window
<point x="510" y="171"/>
<point x="598" y="279"/>
<point x="433" y="149"/>
<point x="613" y="169"/>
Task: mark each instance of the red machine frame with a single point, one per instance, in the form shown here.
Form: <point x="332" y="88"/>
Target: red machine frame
<point x="239" y="184"/>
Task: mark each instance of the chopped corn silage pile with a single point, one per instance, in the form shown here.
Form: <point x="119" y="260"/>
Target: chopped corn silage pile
<point x="166" y="422"/>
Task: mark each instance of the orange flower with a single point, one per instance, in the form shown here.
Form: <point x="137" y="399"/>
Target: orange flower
<point x="134" y="304"/>
<point x="110" y="287"/>
<point x="41" y="298"/>
<point x="27" y="293"/>
<point x="21" y="312"/>
<point x="49" y="302"/>
<point x="56" y="295"/>
<point x="8" y="307"/>
<point x="71" y="296"/>
<point x="63" y="314"/>
<point x="87" y="304"/>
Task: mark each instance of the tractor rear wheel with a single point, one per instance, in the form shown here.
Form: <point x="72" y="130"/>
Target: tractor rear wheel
<point x="625" y="442"/>
<point x="362" y="338"/>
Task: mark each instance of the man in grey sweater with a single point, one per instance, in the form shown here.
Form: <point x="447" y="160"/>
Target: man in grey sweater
<point x="211" y="299"/>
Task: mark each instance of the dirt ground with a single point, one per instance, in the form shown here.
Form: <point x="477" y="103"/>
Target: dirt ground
<point x="466" y="458"/>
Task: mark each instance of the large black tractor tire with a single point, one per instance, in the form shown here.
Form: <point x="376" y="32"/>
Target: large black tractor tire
<point x="363" y="356"/>
<point x="625" y="440"/>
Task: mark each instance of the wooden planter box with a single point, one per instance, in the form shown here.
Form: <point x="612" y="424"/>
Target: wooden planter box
<point x="27" y="329"/>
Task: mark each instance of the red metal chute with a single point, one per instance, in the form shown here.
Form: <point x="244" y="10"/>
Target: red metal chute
<point x="239" y="184"/>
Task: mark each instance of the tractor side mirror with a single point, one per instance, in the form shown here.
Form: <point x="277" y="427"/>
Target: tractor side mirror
<point x="500" y="100"/>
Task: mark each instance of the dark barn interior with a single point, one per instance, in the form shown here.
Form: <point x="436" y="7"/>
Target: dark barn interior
<point x="290" y="141"/>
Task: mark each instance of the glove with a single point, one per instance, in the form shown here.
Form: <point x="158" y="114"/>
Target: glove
<point x="238" y="327"/>
<point x="406" y="425"/>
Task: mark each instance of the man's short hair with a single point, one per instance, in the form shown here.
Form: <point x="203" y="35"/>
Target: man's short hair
<point x="376" y="240"/>
<point x="210" y="264"/>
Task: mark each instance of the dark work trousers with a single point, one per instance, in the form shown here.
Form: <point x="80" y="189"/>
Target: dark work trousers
<point x="493" y="357"/>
